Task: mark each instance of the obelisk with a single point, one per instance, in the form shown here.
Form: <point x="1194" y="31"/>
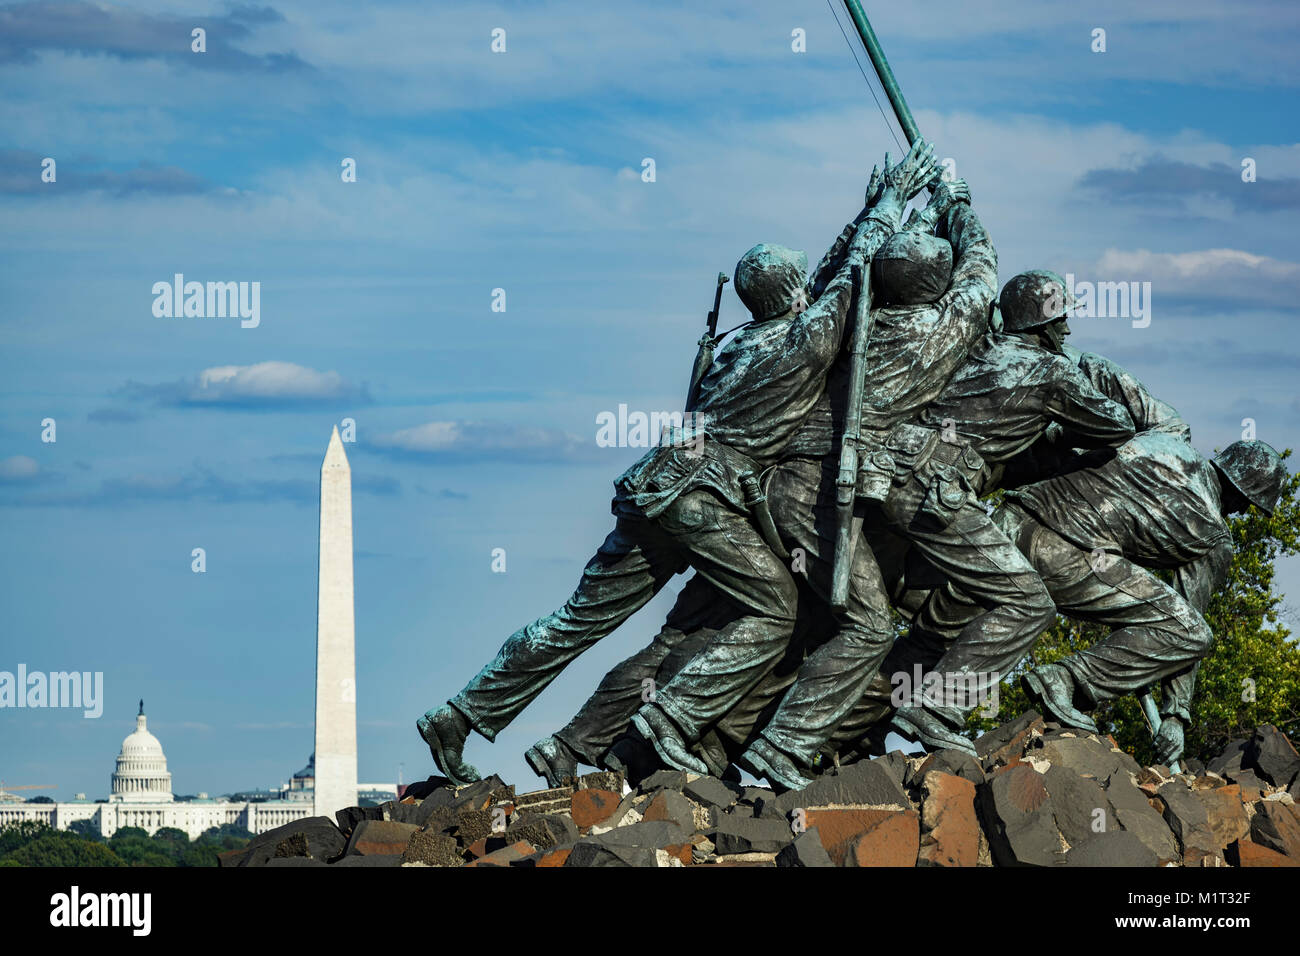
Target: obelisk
<point x="336" y="686"/>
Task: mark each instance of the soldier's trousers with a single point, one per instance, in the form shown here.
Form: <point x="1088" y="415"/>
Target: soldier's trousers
<point x="636" y="560"/>
<point x="833" y="677"/>
<point x="1007" y="605"/>
<point x="1155" y="632"/>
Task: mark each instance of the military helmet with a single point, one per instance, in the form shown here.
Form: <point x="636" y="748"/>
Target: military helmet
<point x="1034" y="299"/>
<point x="912" y="268"/>
<point x="769" y="278"/>
<point x="1256" y="470"/>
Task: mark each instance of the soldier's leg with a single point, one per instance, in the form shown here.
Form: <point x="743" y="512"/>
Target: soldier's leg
<point x="978" y="558"/>
<point x="1154" y="631"/>
<point x="700" y="610"/>
<point x="834" y="675"/>
<point x="617" y="582"/>
<point x="725" y="549"/>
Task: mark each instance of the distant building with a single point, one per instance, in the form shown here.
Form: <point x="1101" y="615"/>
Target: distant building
<point x="141" y="796"/>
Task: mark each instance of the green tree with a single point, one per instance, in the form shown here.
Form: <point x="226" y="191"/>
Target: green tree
<point x="1251" y="675"/>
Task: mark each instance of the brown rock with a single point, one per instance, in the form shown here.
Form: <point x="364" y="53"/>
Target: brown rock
<point x="893" y="841"/>
<point x="948" y="821"/>
<point x="1226" y="812"/>
<point x="592" y="806"/>
<point x="839" y="827"/>
<point x="1247" y="854"/>
<point x="1277" y="827"/>
<point x="506" y="855"/>
<point x="380" y="838"/>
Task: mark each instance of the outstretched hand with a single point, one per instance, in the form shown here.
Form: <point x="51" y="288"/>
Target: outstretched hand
<point x="945" y="194"/>
<point x="911" y="175"/>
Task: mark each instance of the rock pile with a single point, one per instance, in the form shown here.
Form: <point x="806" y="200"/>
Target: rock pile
<point x="1038" y="795"/>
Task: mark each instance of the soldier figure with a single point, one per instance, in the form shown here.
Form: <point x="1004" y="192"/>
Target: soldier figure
<point x="687" y="503"/>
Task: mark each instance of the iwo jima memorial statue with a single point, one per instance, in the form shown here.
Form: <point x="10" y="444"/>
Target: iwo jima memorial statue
<point x="834" y="467"/>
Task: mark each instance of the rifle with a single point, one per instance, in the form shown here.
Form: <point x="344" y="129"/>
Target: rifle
<point x="704" y="357"/>
<point x="848" y="523"/>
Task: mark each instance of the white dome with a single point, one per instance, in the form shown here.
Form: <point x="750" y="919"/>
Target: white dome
<point x="141" y="774"/>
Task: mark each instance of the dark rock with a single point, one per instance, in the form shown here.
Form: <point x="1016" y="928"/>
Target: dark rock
<point x="1189" y="822"/>
<point x="806" y="850"/>
<point x="951" y="762"/>
<point x="896" y="763"/>
<point x="601" y="780"/>
<point x="295" y="861"/>
<point x="1252" y="787"/>
<point x="483" y="793"/>
<point x="655" y="834"/>
<point x="349" y="818"/>
<point x="750" y="835"/>
<point x="1276" y="826"/>
<point x="423" y="788"/>
<point x="1136" y="815"/>
<point x="595" y="854"/>
<point x="1230" y="759"/>
<point x="1086" y="755"/>
<point x="664" y="780"/>
<point x="712" y="792"/>
<point x="752" y="796"/>
<point x="377" y="859"/>
<point x="865" y="783"/>
<point x="671" y="806"/>
<point x="1003" y="743"/>
<point x="1017" y="813"/>
<point x="1112" y="848"/>
<point x="1079" y="806"/>
<point x="1272" y="756"/>
<point x="432" y="849"/>
<point x="543" y="831"/>
<point x="471" y="826"/>
<point x="322" y="840"/>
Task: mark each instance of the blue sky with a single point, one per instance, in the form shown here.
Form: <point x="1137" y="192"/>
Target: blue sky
<point x="476" y="429"/>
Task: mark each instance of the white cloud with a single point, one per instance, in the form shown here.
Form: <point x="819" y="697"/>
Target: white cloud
<point x="18" y="468"/>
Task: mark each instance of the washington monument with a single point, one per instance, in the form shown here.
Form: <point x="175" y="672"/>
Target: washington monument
<point x="336" y="693"/>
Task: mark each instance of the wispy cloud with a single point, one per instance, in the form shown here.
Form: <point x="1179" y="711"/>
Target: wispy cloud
<point x="455" y="442"/>
<point x="266" y="385"/>
<point x="1161" y="179"/>
<point x="19" y="469"/>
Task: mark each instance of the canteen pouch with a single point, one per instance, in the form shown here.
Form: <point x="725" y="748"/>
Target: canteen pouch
<point x="946" y="495"/>
<point x="876" y="475"/>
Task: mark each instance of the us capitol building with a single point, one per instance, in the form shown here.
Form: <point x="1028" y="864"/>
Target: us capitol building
<point x="142" y="797"/>
<point x="142" y="787"/>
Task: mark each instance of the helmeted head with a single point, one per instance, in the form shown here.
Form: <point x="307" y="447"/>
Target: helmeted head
<point x="770" y="280"/>
<point x="912" y="268"/>
<point x="1255" y="470"/>
<point x="1034" y="299"/>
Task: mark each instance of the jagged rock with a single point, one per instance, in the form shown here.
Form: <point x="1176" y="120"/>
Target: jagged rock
<point x="1230" y="759"/>
<point x="896" y="763"/>
<point x="736" y="834"/>
<point x="349" y="818"/>
<point x="806" y="850"/>
<point x="664" y="779"/>
<point x="1208" y="781"/>
<point x="321" y="840"/>
<point x="952" y="762"/>
<point x="712" y="792"/>
<point x="431" y="848"/>
<point x="380" y="838"/>
<point x="894" y="841"/>
<point x="1086" y="755"/>
<point x="1226" y="812"/>
<point x="1247" y="854"/>
<point x="507" y="855"/>
<point x="1252" y="787"/>
<point x="1272" y="756"/>
<point x="671" y="806"/>
<point x="542" y="830"/>
<point x="424" y="788"/>
<point x="594" y="854"/>
<point x="601" y="780"/>
<point x="483" y="793"/>
<point x="1017" y="813"/>
<point x="838" y="827"/>
<point x="1136" y="815"/>
<point x="1003" y="743"/>
<point x="1189" y="822"/>
<point x="1079" y="805"/>
<point x="592" y="807"/>
<point x="949" y="826"/>
<point x="753" y="796"/>
<point x="865" y="783"/>
<point x="1276" y="826"/>
<point x="295" y="861"/>
<point x="1112" y="848"/>
<point x="545" y="801"/>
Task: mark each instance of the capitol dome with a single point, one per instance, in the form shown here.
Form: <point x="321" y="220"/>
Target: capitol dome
<point x="141" y="774"/>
